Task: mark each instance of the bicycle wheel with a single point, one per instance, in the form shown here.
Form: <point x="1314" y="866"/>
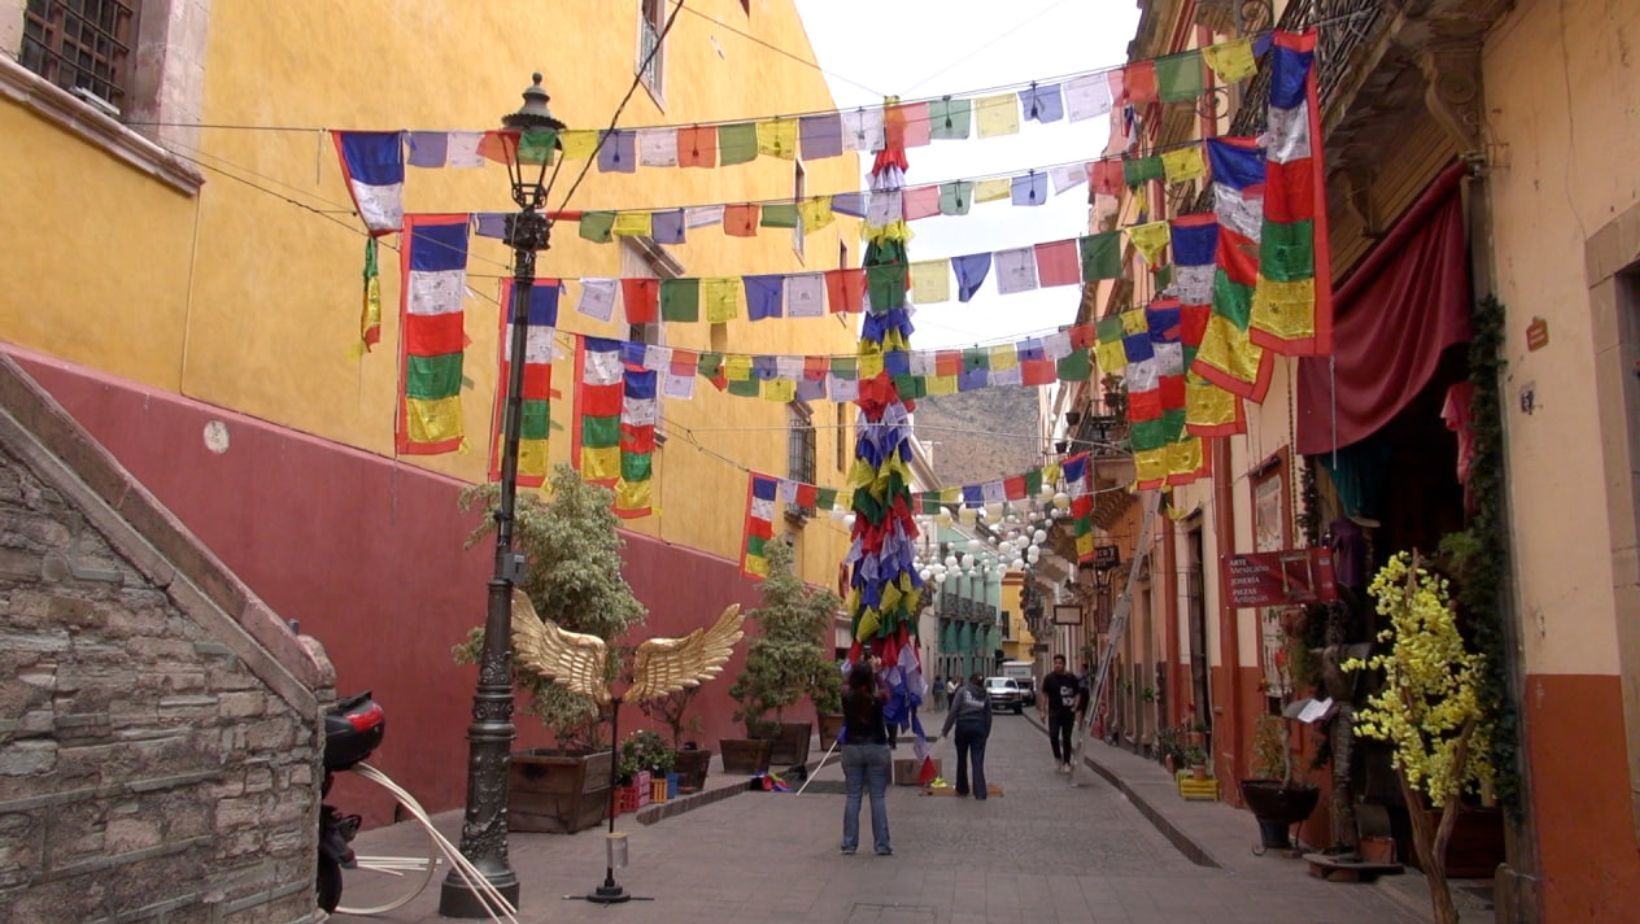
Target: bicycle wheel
<point x="387" y="882"/>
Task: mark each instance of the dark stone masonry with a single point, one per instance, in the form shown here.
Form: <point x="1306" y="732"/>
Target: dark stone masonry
<point x="159" y="740"/>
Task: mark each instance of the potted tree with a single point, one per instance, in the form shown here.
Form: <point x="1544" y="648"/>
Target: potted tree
<point x="690" y="761"/>
<point x="787" y="661"/>
<point x="1277" y="799"/>
<point x="572" y="574"/>
<point x="1197" y="759"/>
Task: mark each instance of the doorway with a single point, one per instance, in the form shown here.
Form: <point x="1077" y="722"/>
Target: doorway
<point x="1196" y="615"/>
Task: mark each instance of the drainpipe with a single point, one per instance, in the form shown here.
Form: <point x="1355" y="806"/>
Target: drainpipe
<point x="1170" y="627"/>
<point x="1227" y="736"/>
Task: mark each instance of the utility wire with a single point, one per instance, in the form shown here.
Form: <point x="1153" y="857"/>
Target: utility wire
<point x="781" y="51"/>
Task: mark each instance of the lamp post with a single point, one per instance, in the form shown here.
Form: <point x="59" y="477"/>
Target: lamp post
<point x="491" y="734"/>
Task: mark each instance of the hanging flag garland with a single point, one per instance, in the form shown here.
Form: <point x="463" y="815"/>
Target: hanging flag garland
<point x="373" y="166"/>
<point x="433" y="283"/>
<point x="640" y="409"/>
<point x="596" y="437"/>
<point x="535" y="420"/>
<point x="370" y="313"/>
<point x="760" y="494"/>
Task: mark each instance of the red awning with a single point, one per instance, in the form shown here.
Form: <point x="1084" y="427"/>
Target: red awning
<point x="1402" y="307"/>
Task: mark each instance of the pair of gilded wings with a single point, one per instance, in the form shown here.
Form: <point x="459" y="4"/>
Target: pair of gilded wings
<point x="662" y="665"/>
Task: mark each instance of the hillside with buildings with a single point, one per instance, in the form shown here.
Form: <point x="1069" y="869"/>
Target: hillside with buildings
<point x="981" y="435"/>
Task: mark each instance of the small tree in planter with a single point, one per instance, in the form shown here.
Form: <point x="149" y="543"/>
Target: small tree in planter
<point x="692" y="762"/>
<point x="572" y="575"/>
<point x="788" y="661"/>
<point x="1427" y="710"/>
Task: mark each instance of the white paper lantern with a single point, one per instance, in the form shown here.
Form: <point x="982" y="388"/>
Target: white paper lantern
<point x="1039" y="537"/>
<point x="967" y="562"/>
<point x="1019" y="563"/>
<point x="1061" y="500"/>
<point x="848" y="520"/>
<point x="974" y="545"/>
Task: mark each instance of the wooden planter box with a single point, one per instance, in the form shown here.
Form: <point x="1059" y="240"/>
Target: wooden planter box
<point x="745" y="756"/>
<point x="830" y="727"/>
<point x="790" y="745"/>
<point x="1476" y="847"/>
<point x="692" y="768"/>
<point x="556" y="792"/>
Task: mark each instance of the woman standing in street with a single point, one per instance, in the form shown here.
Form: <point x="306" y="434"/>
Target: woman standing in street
<point x="866" y="761"/>
<point x="971" y="714"/>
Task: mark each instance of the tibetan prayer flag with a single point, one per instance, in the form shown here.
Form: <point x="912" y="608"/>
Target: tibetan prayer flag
<point x="658" y="147"/>
<point x="806" y="295"/>
<point x="917" y="131"/>
<point x="740" y="220"/>
<point x="763" y="296"/>
<point x="667" y="226"/>
<point x="1150" y="239"/>
<point x="640" y="409"/>
<point x="598" y="299"/>
<point x="1179" y="76"/>
<point x="722" y="297"/>
<point x="863" y="129"/>
<point x="1109" y="352"/>
<point x="921" y="202"/>
<point x="1228" y="357"/>
<point x="992" y="190"/>
<point x="778" y="138"/>
<point x="1030" y="189"/>
<point x="370" y="313"/>
<point x="950" y="119"/>
<point x="820" y="136"/>
<point x="1077" y="475"/>
<point x="1101" y="256"/>
<point x="680" y="300"/>
<point x="956" y="198"/>
<point x="971" y="271"/>
<point x="697" y="147"/>
<point x="1107" y="177"/>
<point x="1068" y="177"/>
<point x="433" y="268"/>
<point x="814" y="213"/>
<point x="618" y="152"/>
<point x="640" y="296"/>
<point x="1139" y="83"/>
<point x="1233" y="61"/>
<point x="1183" y="164"/>
<point x="1137" y="170"/>
<point x="760" y="497"/>
<point x="1016" y="270"/>
<point x="597" y="227"/>
<point x="779" y="215"/>
<point x="1057" y="264"/>
<point x="997" y="115"/>
<point x="1088" y="96"/>
<point x="579" y="144"/>
<point x="737" y="144"/>
<point x="373" y="166"/>
<point x="598" y="404"/>
<point x="1292" y="306"/>
<point x="845" y="290"/>
<point x="535" y="417"/>
<point x="931" y="281"/>
<point x="632" y="224"/>
<point x="1042" y="103"/>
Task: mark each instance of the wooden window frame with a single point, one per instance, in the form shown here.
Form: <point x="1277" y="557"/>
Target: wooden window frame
<point x="73" y="64"/>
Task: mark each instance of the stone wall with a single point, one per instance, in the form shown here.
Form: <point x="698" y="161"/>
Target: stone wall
<point x="157" y="762"/>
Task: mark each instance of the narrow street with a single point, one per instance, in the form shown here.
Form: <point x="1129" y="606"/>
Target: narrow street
<point x="1043" y="852"/>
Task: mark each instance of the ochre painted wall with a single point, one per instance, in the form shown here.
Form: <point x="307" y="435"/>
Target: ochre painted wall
<point x="241" y="300"/>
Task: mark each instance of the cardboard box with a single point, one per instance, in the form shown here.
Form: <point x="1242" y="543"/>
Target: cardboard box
<point x="908" y="769"/>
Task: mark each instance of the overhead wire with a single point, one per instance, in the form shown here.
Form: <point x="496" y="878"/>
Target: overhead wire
<point x="781" y="51"/>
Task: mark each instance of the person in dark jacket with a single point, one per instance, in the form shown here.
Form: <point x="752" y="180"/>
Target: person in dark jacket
<point x="970" y="714"/>
<point x="866" y="761"/>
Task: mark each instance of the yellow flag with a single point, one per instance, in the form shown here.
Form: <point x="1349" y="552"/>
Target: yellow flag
<point x="1111" y="357"/>
<point x="777" y="138"/>
<point x="991" y="190"/>
<point x="1150" y="239"/>
<point x="815" y="213"/>
<point x="1183" y="164"/>
<point x="737" y="367"/>
<point x="950" y="495"/>
<point x="781" y="390"/>
<point x="632" y="224"/>
<point x="1151" y="465"/>
<point x="942" y="384"/>
<point x="1231" y="61"/>
<point x="997" y="115"/>
<point x="871" y="365"/>
<point x="722" y="297"/>
<point x="578" y="145"/>
<point x="931" y="281"/>
<point x="1004" y="356"/>
<point x="1134" y="321"/>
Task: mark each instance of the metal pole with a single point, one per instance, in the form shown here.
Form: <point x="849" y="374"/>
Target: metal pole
<point x="611" y="893"/>
<point x="491" y="734"/>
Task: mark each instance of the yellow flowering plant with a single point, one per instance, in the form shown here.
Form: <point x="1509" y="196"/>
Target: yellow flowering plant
<point x="1428" y="709"/>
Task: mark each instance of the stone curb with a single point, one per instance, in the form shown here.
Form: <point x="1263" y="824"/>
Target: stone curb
<point x="671" y="808"/>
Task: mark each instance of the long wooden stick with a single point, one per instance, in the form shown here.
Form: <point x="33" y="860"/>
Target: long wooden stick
<point x="817" y="767"/>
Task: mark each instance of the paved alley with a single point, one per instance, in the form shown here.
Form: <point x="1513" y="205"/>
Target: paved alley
<point x="1042" y="853"/>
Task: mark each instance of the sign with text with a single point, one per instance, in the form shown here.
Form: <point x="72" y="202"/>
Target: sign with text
<point x="1106" y="556"/>
<point x="1288" y="578"/>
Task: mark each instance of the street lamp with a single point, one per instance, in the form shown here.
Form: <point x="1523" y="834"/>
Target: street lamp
<point x="531" y="134"/>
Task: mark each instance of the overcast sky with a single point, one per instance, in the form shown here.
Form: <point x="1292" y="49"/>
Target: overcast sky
<point x="923" y="48"/>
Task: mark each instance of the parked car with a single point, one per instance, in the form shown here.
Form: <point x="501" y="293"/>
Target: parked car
<point x="1004" y="693"/>
<point x="1027" y="690"/>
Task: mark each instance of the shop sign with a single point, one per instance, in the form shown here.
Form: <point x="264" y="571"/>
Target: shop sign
<point x="1291" y="577"/>
<point x="1106" y="556"/>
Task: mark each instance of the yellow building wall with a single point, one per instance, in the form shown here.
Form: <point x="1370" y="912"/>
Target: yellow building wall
<point x="240" y="299"/>
<point x="1020" y="639"/>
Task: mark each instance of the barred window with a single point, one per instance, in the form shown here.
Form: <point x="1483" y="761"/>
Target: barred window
<point x="800" y="443"/>
<point x="82" y="45"/>
<point x="651" y="20"/>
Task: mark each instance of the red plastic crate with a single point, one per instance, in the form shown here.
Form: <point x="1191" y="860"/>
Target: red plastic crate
<point x="626" y="800"/>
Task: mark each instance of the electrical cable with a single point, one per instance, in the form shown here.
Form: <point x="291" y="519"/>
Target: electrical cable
<point x="778" y="50"/>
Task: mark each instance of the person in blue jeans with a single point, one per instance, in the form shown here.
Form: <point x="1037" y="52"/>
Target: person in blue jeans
<point x="866" y="761"/>
<point x="970" y="714"/>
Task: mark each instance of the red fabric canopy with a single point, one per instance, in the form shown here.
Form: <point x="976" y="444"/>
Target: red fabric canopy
<point x="1402" y="307"/>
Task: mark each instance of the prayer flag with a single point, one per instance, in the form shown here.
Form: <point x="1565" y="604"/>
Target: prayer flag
<point x="640" y="409"/>
<point x="1228" y="357"/>
<point x="1101" y="256"/>
<point x="535" y="416"/>
<point x="931" y="281"/>
<point x="618" y="152"/>
<point x="433" y="266"/>
<point x="1232" y="61"/>
<point x="640" y="297"/>
<point x="971" y="271"/>
<point x="1183" y="164"/>
<point x="760" y="498"/>
<point x="1179" y="76"/>
<point x="763" y="296"/>
<point x="697" y="147"/>
<point x="740" y="220"/>
<point x="1030" y="189"/>
<point x="1088" y="97"/>
<point x="950" y="119"/>
<point x="1057" y="264"/>
<point x="680" y="300"/>
<point x="1016" y="270"/>
<point x="599" y="395"/>
<point x="1150" y="239"/>
<point x="821" y="136"/>
<point x="1042" y="103"/>
<point x="737" y="143"/>
<point x="997" y="115"/>
<point x="722" y="297"/>
<point x="370" y="314"/>
<point x="597" y="299"/>
<point x="778" y="138"/>
<point x="373" y="166"/>
<point x="658" y="147"/>
<point x="991" y="190"/>
<point x="956" y="198"/>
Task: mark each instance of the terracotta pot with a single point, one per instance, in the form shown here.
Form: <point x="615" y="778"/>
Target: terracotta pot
<point x="557" y="792"/>
<point x="745" y="756"/>
<point x="692" y="768"/>
<point x="1198" y="772"/>
<point x="1377" y="849"/>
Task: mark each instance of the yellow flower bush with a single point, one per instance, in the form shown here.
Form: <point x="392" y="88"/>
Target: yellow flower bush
<point x="1427" y="708"/>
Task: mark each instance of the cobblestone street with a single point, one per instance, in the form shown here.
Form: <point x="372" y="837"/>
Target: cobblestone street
<point x="1043" y="852"/>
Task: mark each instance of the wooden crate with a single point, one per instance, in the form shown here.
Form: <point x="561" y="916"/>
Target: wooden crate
<point x="1193" y="789"/>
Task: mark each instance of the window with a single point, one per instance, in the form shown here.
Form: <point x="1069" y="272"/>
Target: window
<point x="842" y="263"/>
<point x="800" y="443"/>
<point x="798" y="187"/>
<point x="842" y="435"/>
<point x="82" y="45"/>
<point x="651" y="20"/>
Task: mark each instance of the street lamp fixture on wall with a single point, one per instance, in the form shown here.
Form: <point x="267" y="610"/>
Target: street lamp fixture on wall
<point x="531" y="135"/>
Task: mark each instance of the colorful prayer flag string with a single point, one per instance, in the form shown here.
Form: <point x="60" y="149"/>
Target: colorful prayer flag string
<point x="433" y="283"/>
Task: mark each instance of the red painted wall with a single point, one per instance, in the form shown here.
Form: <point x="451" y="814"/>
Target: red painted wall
<point x="367" y="553"/>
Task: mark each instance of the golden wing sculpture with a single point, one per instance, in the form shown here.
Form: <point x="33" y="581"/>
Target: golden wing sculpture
<point x="666" y="665"/>
<point x="573" y="659"/>
<point x="663" y="665"/>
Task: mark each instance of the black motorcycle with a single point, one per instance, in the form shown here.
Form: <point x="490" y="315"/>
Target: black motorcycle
<point x="353" y="729"/>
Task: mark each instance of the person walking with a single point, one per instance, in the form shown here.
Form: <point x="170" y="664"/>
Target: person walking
<point x="938" y="689"/>
<point x="970" y="714"/>
<point x="1064" y="694"/>
<point x="866" y="761"/>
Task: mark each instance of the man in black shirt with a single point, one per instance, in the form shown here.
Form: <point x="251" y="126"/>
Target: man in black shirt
<point x="1064" y="694"/>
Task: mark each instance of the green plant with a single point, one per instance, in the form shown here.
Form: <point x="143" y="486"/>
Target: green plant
<point x="672" y="710"/>
<point x="1195" y="756"/>
<point x="1170" y="743"/>
<point x="1271" y="759"/>
<point x="1429" y="709"/>
<point x="1148" y="694"/>
<point x="788" y="660"/>
<point x="572" y="574"/>
<point x="644" y="750"/>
